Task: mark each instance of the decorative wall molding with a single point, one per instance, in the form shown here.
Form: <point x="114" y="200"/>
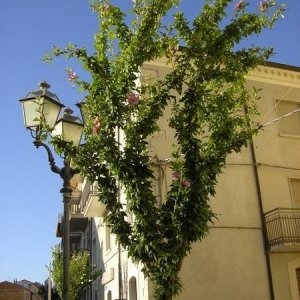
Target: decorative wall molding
<point x="276" y="75"/>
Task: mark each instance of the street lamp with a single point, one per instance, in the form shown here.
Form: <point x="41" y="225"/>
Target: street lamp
<point x="44" y="105"/>
<point x="40" y="103"/>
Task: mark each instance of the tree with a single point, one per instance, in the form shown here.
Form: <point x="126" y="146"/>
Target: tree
<point x="209" y="66"/>
<point x="82" y="273"/>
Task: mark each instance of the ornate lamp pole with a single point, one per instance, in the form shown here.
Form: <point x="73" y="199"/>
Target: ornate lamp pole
<point x="44" y="105"/>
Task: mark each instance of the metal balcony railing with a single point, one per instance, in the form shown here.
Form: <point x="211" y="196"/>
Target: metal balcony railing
<point x="78" y="222"/>
<point x="88" y="190"/>
<point x="75" y="207"/>
<point x="283" y="227"/>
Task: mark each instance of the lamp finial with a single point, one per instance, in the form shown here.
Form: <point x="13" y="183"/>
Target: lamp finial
<point x="44" y="85"/>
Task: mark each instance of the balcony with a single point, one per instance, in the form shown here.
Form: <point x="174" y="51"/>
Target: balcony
<point x="78" y="221"/>
<point x="283" y="229"/>
<point x="77" y="226"/>
<point x="90" y="203"/>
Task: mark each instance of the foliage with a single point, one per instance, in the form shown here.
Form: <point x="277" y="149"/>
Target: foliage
<point x="82" y="273"/>
<point x="209" y="66"/>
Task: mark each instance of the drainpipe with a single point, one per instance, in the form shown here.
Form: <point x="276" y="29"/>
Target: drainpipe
<point x="90" y="246"/>
<point x="120" y="273"/>
<point x="264" y="231"/>
<point x="119" y="246"/>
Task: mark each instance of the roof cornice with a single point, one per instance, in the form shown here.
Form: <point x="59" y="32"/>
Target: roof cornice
<point x="276" y="73"/>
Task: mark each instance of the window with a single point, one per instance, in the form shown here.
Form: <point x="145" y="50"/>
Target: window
<point x="294" y="276"/>
<point x="132" y="289"/>
<point x="298" y="279"/>
<point x="109" y="295"/>
<point x="289" y="125"/>
<point x="94" y="252"/>
<point x="295" y="191"/>
<point x="95" y="295"/>
<point x="107" y="237"/>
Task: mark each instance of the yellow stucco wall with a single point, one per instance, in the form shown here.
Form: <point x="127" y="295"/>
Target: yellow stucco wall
<point x="231" y="262"/>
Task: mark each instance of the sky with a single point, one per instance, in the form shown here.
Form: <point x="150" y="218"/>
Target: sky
<point x="30" y="200"/>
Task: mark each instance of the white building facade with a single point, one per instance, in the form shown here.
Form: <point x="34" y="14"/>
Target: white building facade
<point x="253" y="249"/>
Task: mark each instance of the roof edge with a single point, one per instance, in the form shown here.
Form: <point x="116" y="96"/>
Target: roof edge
<point x="282" y="66"/>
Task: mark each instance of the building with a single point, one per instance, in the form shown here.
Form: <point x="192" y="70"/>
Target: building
<point x="20" y="290"/>
<point x="253" y="249"/>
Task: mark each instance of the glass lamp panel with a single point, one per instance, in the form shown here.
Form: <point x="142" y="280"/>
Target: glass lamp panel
<point x="30" y="114"/>
<point x="34" y="107"/>
<point x="51" y="111"/>
<point x="69" y="131"/>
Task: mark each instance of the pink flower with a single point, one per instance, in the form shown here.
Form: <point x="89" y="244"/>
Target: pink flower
<point x="186" y="182"/>
<point x="133" y="99"/>
<point x="175" y="175"/>
<point x="72" y="75"/>
<point x="240" y="5"/>
<point x="96" y="126"/>
<point x="106" y="6"/>
<point x="263" y="5"/>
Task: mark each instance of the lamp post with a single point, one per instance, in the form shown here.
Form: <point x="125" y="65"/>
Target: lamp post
<point x="41" y="110"/>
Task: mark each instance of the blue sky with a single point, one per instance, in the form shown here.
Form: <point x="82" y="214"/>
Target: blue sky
<point x="30" y="200"/>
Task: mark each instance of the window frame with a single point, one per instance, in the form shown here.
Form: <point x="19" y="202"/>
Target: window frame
<point x="281" y="126"/>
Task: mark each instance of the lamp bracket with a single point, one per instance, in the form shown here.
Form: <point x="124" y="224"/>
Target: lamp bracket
<point x="66" y="172"/>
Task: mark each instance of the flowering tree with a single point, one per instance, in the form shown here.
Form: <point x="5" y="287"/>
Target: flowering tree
<point x="208" y="75"/>
<point x="82" y="273"/>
